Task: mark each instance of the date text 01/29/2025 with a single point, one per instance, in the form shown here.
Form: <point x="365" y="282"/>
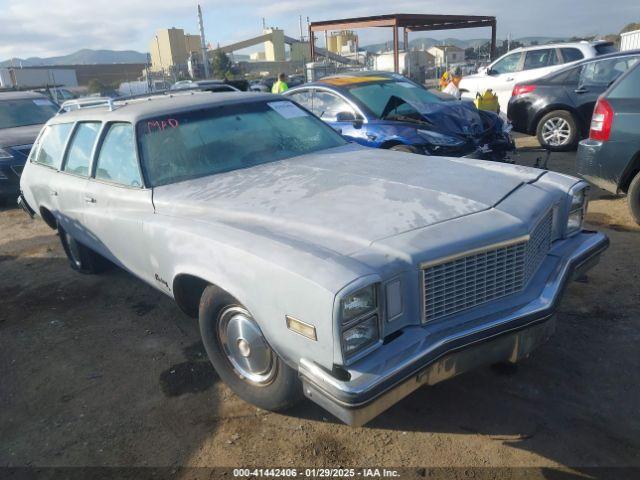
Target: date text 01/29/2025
<point x="316" y="472"/>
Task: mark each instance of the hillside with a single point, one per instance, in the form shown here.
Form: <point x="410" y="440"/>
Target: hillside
<point x="81" y="57"/>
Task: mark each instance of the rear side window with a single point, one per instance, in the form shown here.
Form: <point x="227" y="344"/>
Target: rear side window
<point x="117" y="161"/>
<point x="571" y="54"/>
<point x="52" y="145"/>
<point x="545" y="57"/>
<point x="629" y="86"/>
<point x="80" y="148"/>
<point x="327" y="105"/>
<point x="604" y="72"/>
<point x="604" y="48"/>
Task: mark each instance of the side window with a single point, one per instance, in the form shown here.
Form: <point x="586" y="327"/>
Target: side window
<point x="540" y="58"/>
<point x="117" y="161"/>
<point x="508" y="64"/>
<point x="79" y="152"/>
<point x="571" y="54"/>
<point x="604" y="72"/>
<point x="52" y="143"/>
<point x="303" y="97"/>
<point x="327" y="105"/>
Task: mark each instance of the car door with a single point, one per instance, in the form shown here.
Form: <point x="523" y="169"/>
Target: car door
<point x="72" y="182"/>
<point x="340" y="114"/>
<point x="502" y="77"/>
<point x="595" y="78"/>
<point x="116" y="202"/>
<point x="41" y="179"/>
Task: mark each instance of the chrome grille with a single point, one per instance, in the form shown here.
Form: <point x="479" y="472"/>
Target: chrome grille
<point x="470" y="280"/>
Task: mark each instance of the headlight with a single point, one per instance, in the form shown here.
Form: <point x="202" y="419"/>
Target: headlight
<point x="358" y="303"/>
<point x="360" y="336"/>
<point x="577" y="209"/>
<point x="439" y="139"/>
<point x="4" y="154"/>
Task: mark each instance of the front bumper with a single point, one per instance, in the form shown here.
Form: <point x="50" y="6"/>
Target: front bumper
<point x="506" y="337"/>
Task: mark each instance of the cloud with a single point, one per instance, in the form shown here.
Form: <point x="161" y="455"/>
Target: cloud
<point x="35" y="28"/>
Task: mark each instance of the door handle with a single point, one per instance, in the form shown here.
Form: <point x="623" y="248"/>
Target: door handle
<point x="581" y="90"/>
<point x="89" y="199"/>
<point x="371" y="136"/>
<point x="54" y="193"/>
<point x="509" y="79"/>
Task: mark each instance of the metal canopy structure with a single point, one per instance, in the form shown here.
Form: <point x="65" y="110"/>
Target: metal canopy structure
<point x="409" y="23"/>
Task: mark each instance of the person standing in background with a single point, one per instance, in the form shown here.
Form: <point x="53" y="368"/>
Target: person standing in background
<point x="281" y="84"/>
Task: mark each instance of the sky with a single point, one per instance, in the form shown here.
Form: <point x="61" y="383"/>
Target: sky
<point x="57" y="27"/>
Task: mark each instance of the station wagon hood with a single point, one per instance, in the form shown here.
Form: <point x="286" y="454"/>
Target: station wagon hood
<point x="343" y="199"/>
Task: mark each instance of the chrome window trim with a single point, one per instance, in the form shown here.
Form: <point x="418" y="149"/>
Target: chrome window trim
<point x="312" y="89"/>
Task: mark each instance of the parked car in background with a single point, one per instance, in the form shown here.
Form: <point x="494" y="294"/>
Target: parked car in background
<point x="384" y="110"/>
<point x="528" y="63"/>
<point x="610" y="157"/>
<point x="262" y="85"/>
<point x="204" y="85"/>
<point x="22" y="115"/>
<point x="557" y="108"/>
<point x="315" y="266"/>
<point x="57" y="94"/>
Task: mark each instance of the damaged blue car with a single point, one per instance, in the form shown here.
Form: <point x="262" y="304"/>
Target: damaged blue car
<point x="382" y="110"/>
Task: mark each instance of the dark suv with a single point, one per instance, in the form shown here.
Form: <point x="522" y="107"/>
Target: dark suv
<point x="22" y="115"/>
<point x="610" y="157"/>
<point x="558" y="107"/>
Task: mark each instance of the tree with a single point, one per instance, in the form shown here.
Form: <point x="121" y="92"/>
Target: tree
<point x="96" y="86"/>
<point x="221" y="64"/>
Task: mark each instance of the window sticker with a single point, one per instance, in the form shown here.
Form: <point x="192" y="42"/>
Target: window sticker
<point x="43" y="102"/>
<point x="287" y="109"/>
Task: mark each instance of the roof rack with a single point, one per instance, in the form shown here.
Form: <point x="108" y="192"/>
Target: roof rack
<point x="90" y="102"/>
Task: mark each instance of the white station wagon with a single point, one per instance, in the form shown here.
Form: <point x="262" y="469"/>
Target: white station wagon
<point x="316" y="267"/>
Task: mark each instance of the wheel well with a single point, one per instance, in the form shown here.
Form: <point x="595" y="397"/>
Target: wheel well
<point x="630" y="172"/>
<point x="554" y="108"/>
<point x="187" y="291"/>
<point x="48" y="218"/>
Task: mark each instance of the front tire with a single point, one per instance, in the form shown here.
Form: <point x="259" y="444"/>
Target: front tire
<point x="558" y="131"/>
<point x="81" y="258"/>
<point x="633" y="198"/>
<point x="241" y="355"/>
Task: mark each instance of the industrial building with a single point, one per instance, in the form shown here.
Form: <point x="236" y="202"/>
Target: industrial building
<point x="414" y="63"/>
<point x="172" y="50"/>
<point x="445" y="55"/>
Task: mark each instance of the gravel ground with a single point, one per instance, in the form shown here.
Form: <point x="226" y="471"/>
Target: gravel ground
<point x="106" y="371"/>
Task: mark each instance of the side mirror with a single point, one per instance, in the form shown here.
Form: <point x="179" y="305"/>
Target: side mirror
<point x="491" y="72"/>
<point x="483" y="70"/>
<point x="345" y="117"/>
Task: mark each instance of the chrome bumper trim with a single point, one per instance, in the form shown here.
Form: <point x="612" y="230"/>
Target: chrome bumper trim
<point x="515" y="334"/>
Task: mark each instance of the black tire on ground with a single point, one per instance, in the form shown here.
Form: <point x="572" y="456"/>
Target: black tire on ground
<point x="633" y="197"/>
<point x="82" y="259"/>
<point x="404" y="148"/>
<point x="565" y="127"/>
<point x="281" y="391"/>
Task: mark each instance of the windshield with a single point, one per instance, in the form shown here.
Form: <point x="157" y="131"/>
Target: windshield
<point x="205" y="142"/>
<point x="32" y="111"/>
<point x="376" y="96"/>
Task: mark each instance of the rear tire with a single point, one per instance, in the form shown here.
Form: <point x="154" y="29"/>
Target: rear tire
<point x="633" y="198"/>
<point x="558" y="131"/>
<point x="248" y="366"/>
<point x="81" y="258"/>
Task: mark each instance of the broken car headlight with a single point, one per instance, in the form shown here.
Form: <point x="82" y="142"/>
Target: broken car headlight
<point x="577" y="209"/>
<point x="361" y="335"/>
<point x="435" y="138"/>
<point x="358" y="303"/>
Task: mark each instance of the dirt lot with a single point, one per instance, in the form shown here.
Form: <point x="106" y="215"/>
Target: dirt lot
<point x="105" y="370"/>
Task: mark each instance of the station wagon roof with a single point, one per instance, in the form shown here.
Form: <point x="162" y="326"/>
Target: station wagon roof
<point x="133" y="110"/>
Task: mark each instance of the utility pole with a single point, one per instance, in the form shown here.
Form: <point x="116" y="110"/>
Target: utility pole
<point x="301" y="32"/>
<point x="203" y="44"/>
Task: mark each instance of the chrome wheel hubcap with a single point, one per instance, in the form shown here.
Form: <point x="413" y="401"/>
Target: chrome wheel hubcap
<point x="556" y="131"/>
<point x="244" y="346"/>
<point x="74" y="250"/>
